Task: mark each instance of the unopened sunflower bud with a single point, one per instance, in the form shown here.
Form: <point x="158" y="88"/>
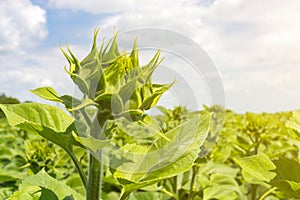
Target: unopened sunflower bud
<point x="115" y="81"/>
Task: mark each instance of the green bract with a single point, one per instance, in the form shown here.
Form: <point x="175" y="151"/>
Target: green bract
<point x="114" y="81"/>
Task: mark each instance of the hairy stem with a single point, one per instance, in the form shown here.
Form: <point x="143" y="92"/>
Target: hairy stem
<point x="94" y="180"/>
<point x="95" y="163"/>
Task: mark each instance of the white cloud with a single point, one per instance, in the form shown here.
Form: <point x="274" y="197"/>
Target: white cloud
<point x="254" y="44"/>
<point x="21" y="73"/>
<point x="263" y="32"/>
<point x="22" y="25"/>
<point x="255" y="47"/>
<point x="182" y="16"/>
<point x="92" y="6"/>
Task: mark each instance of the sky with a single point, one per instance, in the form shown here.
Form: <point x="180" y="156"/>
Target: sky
<point x="254" y="45"/>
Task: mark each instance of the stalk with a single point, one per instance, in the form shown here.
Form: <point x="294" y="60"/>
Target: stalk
<point x="167" y="192"/>
<point x="95" y="165"/>
<point x="195" y="172"/>
<point x="78" y="167"/>
<point x="124" y="195"/>
<point x="267" y="193"/>
<point x="174" y="184"/>
<point x="253" y="191"/>
<point x="94" y="180"/>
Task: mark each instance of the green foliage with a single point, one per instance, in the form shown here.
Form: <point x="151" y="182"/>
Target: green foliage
<point x="294" y="122"/>
<point x="250" y="133"/>
<point x="23" y="154"/>
<point x="35" y="116"/>
<point x="282" y="173"/>
<point x="213" y="178"/>
<point x="287" y="177"/>
<point x="108" y="147"/>
<point x="256" y="168"/>
<point x="48" y="121"/>
<point x="7" y="100"/>
<point x="43" y="186"/>
<point x="164" y="159"/>
<point x="148" y="196"/>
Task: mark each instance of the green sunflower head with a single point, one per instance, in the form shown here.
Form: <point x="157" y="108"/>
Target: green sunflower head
<point x="115" y="81"/>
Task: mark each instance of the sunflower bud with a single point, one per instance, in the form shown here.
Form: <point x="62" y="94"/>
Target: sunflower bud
<point x="115" y="81"/>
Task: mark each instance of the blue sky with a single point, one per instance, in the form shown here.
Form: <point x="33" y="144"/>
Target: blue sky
<point x="254" y="45"/>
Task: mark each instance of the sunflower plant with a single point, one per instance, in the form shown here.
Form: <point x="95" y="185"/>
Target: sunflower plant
<point x="115" y="93"/>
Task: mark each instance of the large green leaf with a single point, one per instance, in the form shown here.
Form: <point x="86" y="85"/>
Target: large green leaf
<point x="178" y="155"/>
<point x="287" y="176"/>
<point x="139" y="166"/>
<point x="37" y="116"/>
<point x="48" y="121"/>
<point x="257" y="167"/>
<point x="45" y="187"/>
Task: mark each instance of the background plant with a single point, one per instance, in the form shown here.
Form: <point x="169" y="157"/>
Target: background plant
<point x="216" y="178"/>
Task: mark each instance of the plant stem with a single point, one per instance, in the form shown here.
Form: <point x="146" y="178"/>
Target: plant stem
<point x="78" y="167"/>
<point x="195" y="171"/>
<point x="95" y="163"/>
<point x="253" y="191"/>
<point x="267" y="193"/>
<point x="174" y="184"/>
<point x="167" y="192"/>
<point x="94" y="180"/>
<point x="124" y="195"/>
